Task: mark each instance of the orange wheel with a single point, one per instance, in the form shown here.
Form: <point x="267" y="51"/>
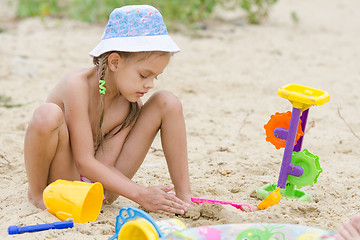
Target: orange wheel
<point x="281" y="120"/>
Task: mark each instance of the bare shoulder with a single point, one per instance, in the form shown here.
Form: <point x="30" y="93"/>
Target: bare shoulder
<point x="76" y="83"/>
<point x="75" y="86"/>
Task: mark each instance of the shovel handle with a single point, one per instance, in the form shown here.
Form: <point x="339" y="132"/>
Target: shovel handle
<point x="40" y="227"/>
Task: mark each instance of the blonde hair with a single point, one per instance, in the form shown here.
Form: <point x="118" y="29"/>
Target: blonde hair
<point x="102" y="63"/>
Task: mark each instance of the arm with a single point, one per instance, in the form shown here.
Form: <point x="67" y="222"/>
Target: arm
<point x="76" y="105"/>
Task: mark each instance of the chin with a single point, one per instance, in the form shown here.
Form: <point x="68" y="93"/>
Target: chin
<point x="133" y="100"/>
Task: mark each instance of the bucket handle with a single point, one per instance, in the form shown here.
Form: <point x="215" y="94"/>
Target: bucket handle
<point x="132" y="213"/>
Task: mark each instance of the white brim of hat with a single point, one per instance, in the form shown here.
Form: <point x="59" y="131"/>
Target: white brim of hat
<point x="162" y="43"/>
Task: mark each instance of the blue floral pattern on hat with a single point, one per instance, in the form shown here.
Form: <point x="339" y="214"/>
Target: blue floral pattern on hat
<point x="134" y="22"/>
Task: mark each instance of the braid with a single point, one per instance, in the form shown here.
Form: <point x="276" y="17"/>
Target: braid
<point x="102" y="63"/>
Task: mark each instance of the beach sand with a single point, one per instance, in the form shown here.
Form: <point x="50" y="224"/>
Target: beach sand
<point x="227" y="77"/>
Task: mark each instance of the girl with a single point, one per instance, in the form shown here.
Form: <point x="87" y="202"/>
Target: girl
<point x="94" y="124"/>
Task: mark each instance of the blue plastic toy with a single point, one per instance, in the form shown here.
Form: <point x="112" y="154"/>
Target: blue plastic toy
<point x="132" y="213"/>
<point x="40" y="227"/>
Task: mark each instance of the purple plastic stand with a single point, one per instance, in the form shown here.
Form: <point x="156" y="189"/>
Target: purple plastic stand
<point x="303" y="118"/>
<point x="286" y="167"/>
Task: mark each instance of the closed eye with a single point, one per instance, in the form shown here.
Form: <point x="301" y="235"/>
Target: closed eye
<point x="142" y="76"/>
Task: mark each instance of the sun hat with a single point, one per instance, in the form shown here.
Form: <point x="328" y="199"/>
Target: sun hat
<point x="135" y="28"/>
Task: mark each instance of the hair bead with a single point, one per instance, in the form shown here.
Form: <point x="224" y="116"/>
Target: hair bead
<point x="102" y="88"/>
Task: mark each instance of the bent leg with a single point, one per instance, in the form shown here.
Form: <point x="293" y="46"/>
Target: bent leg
<point x="47" y="152"/>
<point x="350" y="230"/>
<point x="162" y="111"/>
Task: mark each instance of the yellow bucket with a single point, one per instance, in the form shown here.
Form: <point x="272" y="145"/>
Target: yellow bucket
<point x="141" y="229"/>
<point x="74" y="199"/>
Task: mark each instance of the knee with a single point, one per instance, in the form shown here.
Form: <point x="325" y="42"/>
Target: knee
<point x="167" y="102"/>
<point x="47" y="117"/>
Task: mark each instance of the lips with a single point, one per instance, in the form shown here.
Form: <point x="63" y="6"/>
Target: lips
<point x="140" y="94"/>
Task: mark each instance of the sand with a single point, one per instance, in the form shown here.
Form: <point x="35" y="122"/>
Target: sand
<point x="227" y="77"/>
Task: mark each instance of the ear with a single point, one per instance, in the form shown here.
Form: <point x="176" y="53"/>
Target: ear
<point x="114" y="60"/>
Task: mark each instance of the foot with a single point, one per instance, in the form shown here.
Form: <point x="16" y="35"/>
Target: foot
<point x="37" y="201"/>
<point x="110" y="197"/>
<point x="350" y="230"/>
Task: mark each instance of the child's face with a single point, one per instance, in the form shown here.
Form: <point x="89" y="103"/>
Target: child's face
<point x="134" y="77"/>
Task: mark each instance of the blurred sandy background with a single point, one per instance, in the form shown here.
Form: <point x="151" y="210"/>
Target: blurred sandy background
<point x="227" y="77"/>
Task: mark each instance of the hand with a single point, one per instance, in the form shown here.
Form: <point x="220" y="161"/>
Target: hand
<point x="159" y="200"/>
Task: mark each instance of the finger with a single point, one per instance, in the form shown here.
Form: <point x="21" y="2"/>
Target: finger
<point x="351" y="231"/>
<point x="164" y="212"/>
<point x="343" y="233"/>
<point x="173" y="198"/>
<point x="180" y="208"/>
<point x="167" y="188"/>
<point x="177" y="205"/>
<point x="338" y="237"/>
<point x="170" y="210"/>
<point x="355" y="221"/>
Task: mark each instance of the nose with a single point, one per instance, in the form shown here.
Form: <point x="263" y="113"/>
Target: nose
<point x="149" y="83"/>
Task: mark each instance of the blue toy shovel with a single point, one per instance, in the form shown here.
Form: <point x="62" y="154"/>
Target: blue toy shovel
<point x="40" y="227"/>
